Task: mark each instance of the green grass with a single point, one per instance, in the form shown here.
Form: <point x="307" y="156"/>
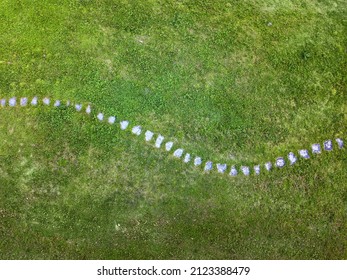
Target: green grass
<point x="215" y="77"/>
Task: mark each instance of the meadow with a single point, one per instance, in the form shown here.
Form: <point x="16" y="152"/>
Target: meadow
<point x="235" y="82"/>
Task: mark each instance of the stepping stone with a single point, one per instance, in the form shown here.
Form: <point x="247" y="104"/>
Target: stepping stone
<point x="186" y="158"/>
<point x="88" y="109"/>
<point x="197" y="161"/>
<point x="168" y="146"/>
<point x="100" y="116"/>
<point x="280" y="162"/>
<point x="149" y="135"/>
<point x="57" y="103"/>
<point x="78" y="107"/>
<point x="159" y="140"/>
<point x="221" y="167"/>
<point x="233" y="171"/>
<point x="111" y="120"/>
<point x="339" y="142"/>
<point x="208" y="166"/>
<point x="12" y="102"/>
<point x="178" y="153"/>
<point x="245" y="170"/>
<point x="268" y="166"/>
<point x="3" y="102"/>
<point x="23" y="101"/>
<point x="328" y="145"/>
<point x="124" y="125"/>
<point x="304" y="154"/>
<point x="316" y="149"/>
<point x="68" y="103"/>
<point x="136" y="130"/>
<point x="292" y="158"/>
<point x="34" y="101"/>
<point x="257" y="169"/>
<point x="46" y="101"/>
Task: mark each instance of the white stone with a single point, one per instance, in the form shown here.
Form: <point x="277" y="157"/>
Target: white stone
<point x="57" y="103"/>
<point x="23" y="101"/>
<point x="100" y="116"/>
<point x="12" y="102"/>
<point x="197" y="161"/>
<point x="124" y="125"/>
<point x="316" y="149"/>
<point x="221" y="167"/>
<point x="159" y="140"/>
<point x="328" y="145"/>
<point x="149" y="135"/>
<point x="168" y="146"/>
<point x="34" y="101"/>
<point x="78" y="107"/>
<point x="233" y="171"/>
<point x="280" y="162"/>
<point x="46" y="101"/>
<point x="339" y="142"/>
<point x="304" y="154"/>
<point x="257" y="169"/>
<point x="3" y="102"/>
<point x="186" y="158"/>
<point x="111" y="120"/>
<point x="178" y="153"/>
<point x="88" y="110"/>
<point x="208" y="166"/>
<point x="136" y="130"/>
<point x="268" y="166"/>
<point x="292" y="158"/>
<point x="245" y="170"/>
<point x="68" y="103"/>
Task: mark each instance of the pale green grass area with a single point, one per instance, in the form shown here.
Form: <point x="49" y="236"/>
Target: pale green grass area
<point x="240" y="82"/>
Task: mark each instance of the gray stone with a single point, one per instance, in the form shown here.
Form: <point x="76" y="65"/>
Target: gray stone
<point x="316" y="149"/>
<point x="3" y="102"/>
<point x="292" y="158"/>
<point x="257" y="169"/>
<point x="124" y="125"/>
<point x="149" y="135"/>
<point x="34" y="101"/>
<point x="197" y="161"/>
<point x="328" y="145"/>
<point x="233" y="171"/>
<point x="88" y="109"/>
<point x="178" y="153"/>
<point x="136" y="130"/>
<point x="245" y="170"/>
<point x="12" y="102"/>
<point x="23" y="101"/>
<point x="78" y="107"/>
<point x="46" y="101"/>
<point x="304" y="154"/>
<point x="339" y="143"/>
<point x="57" y="103"/>
<point x="111" y="119"/>
<point x="208" y="166"/>
<point x="268" y="166"/>
<point x="280" y="162"/>
<point x="168" y="146"/>
<point x="100" y="116"/>
<point x="221" y="167"/>
<point x="186" y="158"/>
<point x="159" y="141"/>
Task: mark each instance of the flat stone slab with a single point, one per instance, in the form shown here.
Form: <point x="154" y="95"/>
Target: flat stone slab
<point x="159" y="141"/>
<point x="257" y="169"/>
<point x="304" y="154"/>
<point x="78" y="107"/>
<point x="46" y="101"/>
<point x="221" y="167"/>
<point x="100" y="116"/>
<point x="136" y="130"/>
<point x="186" y="158"/>
<point x="268" y="166"/>
<point x="3" y="102"/>
<point x="292" y="158"/>
<point x="12" y="102"/>
<point x="88" y="109"/>
<point x="208" y="166"/>
<point x="316" y="149"/>
<point x="23" y="101"/>
<point x="328" y="145"/>
<point x="149" y="135"/>
<point x="280" y="162"/>
<point x="111" y="119"/>
<point x="197" y="161"/>
<point x="168" y="146"/>
<point x="124" y="125"/>
<point x="34" y="101"/>
<point x="233" y="171"/>
<point x="339" y="143"/>
<point x="245" y="170"/>
<point x="178" y="153"/>
<point x="57" y="103"/>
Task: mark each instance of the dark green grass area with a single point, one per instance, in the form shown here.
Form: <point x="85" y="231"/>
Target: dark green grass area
<point x="240" y="82"/>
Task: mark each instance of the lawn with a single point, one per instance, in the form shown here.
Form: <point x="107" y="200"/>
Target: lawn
<point x="235" y="82"/>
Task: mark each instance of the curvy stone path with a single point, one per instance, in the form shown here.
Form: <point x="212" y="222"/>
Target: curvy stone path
<point x="180" y="153"/>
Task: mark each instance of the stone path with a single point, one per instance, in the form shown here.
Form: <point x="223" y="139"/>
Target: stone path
<point x="179" y="152"/>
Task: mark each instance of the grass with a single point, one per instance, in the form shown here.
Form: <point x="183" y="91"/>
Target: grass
<point x="240" y="82"/>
